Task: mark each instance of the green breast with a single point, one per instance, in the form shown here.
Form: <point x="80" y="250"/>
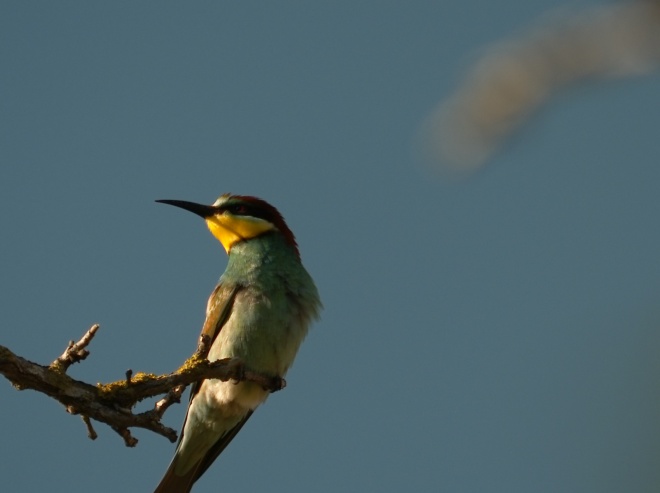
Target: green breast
<point x="273" y="309"/>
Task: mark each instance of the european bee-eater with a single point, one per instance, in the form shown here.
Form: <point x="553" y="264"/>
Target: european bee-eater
<point x="259" y="312"/>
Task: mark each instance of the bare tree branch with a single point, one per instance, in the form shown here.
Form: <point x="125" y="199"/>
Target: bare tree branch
<point x="112" y="403"/>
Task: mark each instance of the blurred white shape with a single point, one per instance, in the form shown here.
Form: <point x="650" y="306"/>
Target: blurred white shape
<point x="514" y="78"/>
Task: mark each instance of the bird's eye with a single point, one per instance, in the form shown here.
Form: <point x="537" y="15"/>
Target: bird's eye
<point x="238" y="209"/>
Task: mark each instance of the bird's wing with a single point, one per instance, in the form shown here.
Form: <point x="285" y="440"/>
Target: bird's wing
<point x="218" y="447"/>
<point x="217" y="313"/>
<point x="218" y="310"/>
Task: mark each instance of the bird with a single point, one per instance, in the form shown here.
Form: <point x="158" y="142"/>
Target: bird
<point x="260" y="312"/>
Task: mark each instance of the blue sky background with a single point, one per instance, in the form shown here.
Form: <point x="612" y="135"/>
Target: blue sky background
<point x="497" y="334"/>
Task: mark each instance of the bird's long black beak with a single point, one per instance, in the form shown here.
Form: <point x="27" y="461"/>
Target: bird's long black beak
<point x="199" y="209"/>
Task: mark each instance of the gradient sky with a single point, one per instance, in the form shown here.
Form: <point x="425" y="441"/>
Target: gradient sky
<point x="497" y="334"/>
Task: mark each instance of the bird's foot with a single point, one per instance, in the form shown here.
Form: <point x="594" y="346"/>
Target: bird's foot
<point x="238" y="371"/>
<point x="276" y="384"/>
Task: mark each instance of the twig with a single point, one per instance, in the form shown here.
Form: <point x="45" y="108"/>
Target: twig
<point x="91" y="433"/>
<point x="129" y="439"/>
<point x="172" y="397"/>
<point x="75" y="351"/>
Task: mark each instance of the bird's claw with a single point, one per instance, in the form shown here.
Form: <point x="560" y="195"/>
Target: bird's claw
<point x="276" y="384"/>
<point x="238" y="372"/>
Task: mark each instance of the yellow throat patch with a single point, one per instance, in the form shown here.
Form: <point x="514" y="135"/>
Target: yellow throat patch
<point x="230" y="229"/>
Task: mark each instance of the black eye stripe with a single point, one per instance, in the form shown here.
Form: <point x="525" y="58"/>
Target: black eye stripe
<point x="248" y="210"/>
<point x="239" y="209"/>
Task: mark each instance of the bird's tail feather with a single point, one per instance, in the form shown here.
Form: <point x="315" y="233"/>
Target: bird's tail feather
<point x="173" y="483"/>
